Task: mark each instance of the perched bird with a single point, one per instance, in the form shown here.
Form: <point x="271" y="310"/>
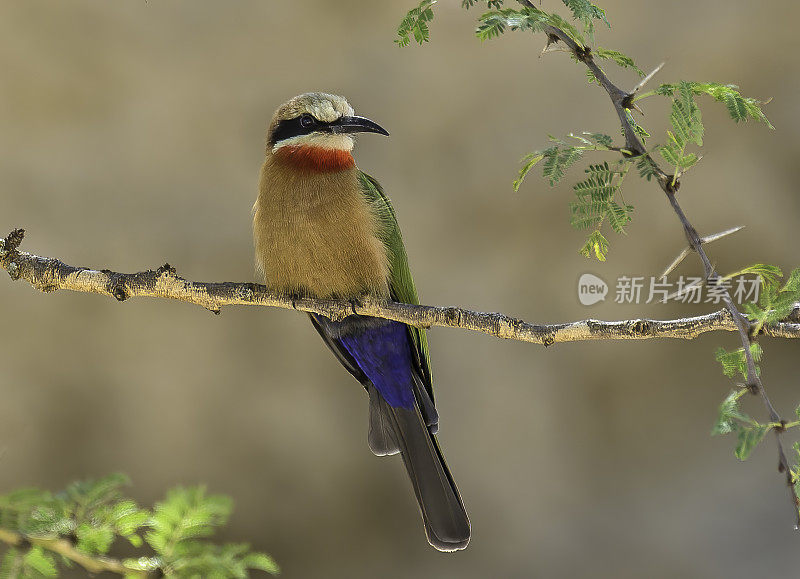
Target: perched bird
<point x="324" y="229"/>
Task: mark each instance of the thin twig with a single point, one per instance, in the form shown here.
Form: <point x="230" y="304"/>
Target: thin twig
<point x="65" y="548"/>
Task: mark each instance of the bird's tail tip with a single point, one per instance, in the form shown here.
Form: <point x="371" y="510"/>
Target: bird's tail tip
<point x="450" y="545"/>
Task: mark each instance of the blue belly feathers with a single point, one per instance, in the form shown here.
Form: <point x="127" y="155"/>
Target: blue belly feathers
<point x="384" y="354"/>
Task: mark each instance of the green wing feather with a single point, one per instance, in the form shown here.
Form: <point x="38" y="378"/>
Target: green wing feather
<point x="401" y="284"/>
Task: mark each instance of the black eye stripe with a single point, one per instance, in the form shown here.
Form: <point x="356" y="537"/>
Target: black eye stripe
<point x="289" y="128"/>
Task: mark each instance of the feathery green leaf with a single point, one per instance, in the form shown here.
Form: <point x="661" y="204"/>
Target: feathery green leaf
<point x="729" y="416"/>
<point x="646" y="167"/>
<point x="749" y="437"/>
<point x="415" y="24"/>
<point x="740" y="108"/>
<point x="619" y="58"/>
<point x="596" y="245"/>
<point x="39" y="562"/>
<point x="638" y="129"/>
<point x="734" y="362"/>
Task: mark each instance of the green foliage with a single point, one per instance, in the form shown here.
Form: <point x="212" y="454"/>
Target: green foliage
<point x="729" y="416"/>
<point x="11" y="564"/>
<point x="619" y="58"/>
<point x="600" y="139"/>
<point x="730" y="419"/>
<point x="740" y="108"/>
<point x="586" y="12"/>
<point x="596" y="196"/>
<point x="561" y="156"/>
<point x="748" y="438"/>
<point x="687" y="127"/>
<point x="638" y="129"/>
<point x="415" y="24"/>
<point x="467" y="4"/>
<point x="557" y="21"/>
<point x="596" y="245"/>
<point x="497" y="19"/>
<point x="195" y="559"/>
<point x="735" y="362"/>
<point x="557" y="160"/>
<point x="595" y="199"/>
<point x="646" y="167"/>
<point x="775" y="301"/>
<point x="794" y="472"/>
<point x="185" y="514"/>
<point x="595" y="203"/>
<point x="92" y="514"/>
<point x="32" y="563"/>
<point x="38" y="562"/>
<point x="494" y="23"/>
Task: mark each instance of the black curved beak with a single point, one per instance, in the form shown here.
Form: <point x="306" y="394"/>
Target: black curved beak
<point x="356" y="125"/>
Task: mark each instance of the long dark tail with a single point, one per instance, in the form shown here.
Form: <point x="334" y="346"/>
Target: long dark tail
<point x="372" y="350"/>
<point x="404" y="430"/>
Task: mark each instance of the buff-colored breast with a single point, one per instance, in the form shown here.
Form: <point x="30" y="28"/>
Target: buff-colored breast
<point x="315" y="234"/>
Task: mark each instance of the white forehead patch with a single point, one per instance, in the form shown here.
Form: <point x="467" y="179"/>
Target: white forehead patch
<point x="325" y="107"/>
<point x="328" y="110"/>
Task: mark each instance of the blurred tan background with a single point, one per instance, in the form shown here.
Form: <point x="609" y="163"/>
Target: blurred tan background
<point x="132" y="133"/>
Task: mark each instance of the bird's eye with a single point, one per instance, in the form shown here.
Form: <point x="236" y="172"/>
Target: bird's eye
<point x="307" y="121"/>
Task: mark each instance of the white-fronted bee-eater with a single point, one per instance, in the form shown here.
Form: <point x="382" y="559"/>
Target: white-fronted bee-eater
<point x="325" y="229"/>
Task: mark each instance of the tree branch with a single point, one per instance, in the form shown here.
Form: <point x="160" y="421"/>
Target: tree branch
<point x="49" y="274"/>
<point x="64" y="547"/>
<point x="622" y="102"/>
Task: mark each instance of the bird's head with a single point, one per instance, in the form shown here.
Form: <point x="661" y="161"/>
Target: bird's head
<point x="319" y="120"/>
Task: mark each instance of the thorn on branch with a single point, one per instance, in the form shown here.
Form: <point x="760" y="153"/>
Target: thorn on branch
<point x="703" y="240"/>
<point x="647" y="78"/>
<point x="168" y="269"/>
<point x="13" y="241"/>
<point x="636" y="108"/>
